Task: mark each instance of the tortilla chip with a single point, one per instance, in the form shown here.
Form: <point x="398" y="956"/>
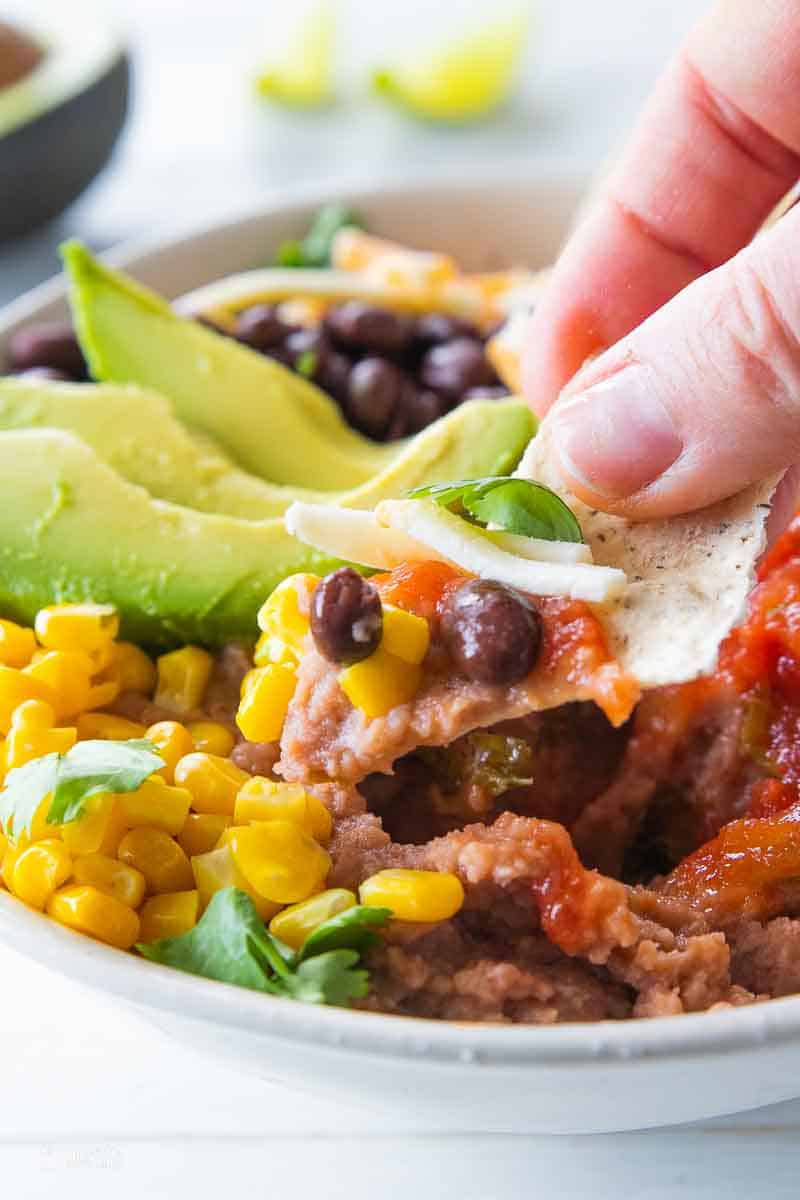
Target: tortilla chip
<point x="688" y="577"/>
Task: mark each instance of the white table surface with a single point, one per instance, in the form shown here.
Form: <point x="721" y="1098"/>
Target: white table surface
<point x="95" y="1103"/>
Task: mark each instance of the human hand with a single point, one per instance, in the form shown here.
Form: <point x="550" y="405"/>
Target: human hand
<point x="703" y="396"/>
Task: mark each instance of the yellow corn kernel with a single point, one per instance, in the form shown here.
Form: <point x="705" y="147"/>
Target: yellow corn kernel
<point x="405" y="635"/>
<point x="172" y="741"/>
<point x="102" y="659"/>
<point x="84" y="627"/>
<point x="12" y="853"/>
<point x="38" y="870"/>
<point x="270" y="649"/>
<point x="279" y="860"/>
<point x="88" y="910"/>
<point x="281" y="613"/>
<point x="282" y="622"/>
<point x="380" y="683"/>
<point x="183" y="677"/>
<point x="212" y="781"/>
<point x="201" y="832"/>
<point x="265" y="702"/>
<point x="111" y="876"/>
<point x="261" y="799"/>
<point x="32" y="734"/>
<point x="251" y="677"/>
<point x="414" y="895"/>
<point x="17" y="644"/>
<point x="132" y="668"/>
<point x="212" y="738"/>
<point x="67" y="673"/>
<point x="293" y="924"/>
<point x="108" y="727"/>
<point x="99" y="829"/>
<point x="159" y="858"/>
<point x="101" y="694"/>
<point x="169" y="915"/>
<point x="40" y="826"/>
<point x="217" y="870"/>
<point x="156" y="803"/>
<point x="15" y="688"/>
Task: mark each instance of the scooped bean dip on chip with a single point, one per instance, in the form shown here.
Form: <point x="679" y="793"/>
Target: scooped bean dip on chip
<point x="314" y="678"/>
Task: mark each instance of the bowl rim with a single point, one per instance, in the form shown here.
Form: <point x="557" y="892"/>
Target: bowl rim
<point x="149" y="985"/>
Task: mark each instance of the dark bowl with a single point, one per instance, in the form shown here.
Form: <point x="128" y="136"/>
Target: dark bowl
<point x="48" y="161"/>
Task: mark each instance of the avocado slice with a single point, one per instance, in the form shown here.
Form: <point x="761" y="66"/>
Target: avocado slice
<point x="73" y="530"/>
<point x="135" y="432"/>
<point x="271" y="421"/>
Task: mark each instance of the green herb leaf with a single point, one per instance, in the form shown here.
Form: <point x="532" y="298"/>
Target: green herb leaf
<point x="88" y="769"/>
<point x="306" y="363"/>
<point x="230" y="943"/>
<point x="514" y="505"/>
<point x="315" y="248"/>
<point x="330" y="978"/>
<point x="92" y="767"/>
<point x="25" y="789"/>
<point x="348" y="930"/>
<point x="223" y="945"/>
<point x="489" y="763"/>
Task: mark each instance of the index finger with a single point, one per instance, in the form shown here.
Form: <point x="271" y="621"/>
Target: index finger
<point x="715" y="149"/>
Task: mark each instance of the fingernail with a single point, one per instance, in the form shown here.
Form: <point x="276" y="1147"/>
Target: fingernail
<point x="616" y="438"/>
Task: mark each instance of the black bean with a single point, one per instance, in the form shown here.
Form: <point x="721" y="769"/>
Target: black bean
<point x="498" y="392"/>
<point x="454" y="367"/>
<point x="374" y="394"/>
<point x="346" y="617"/>
<point x="433" y="328"/>
<point x="301" y="342"/>
<point x="423" y="408"/>
<point x="47" y="373"/>
<point x="260" y="327"/>
<point x="492" y="633"/>
<point x="334" y="374"/>
<point x="358" y="326"/>
<point x="51" y="344"/>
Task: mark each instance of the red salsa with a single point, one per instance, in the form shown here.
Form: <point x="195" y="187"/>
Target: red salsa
<point x="574" y="641"/>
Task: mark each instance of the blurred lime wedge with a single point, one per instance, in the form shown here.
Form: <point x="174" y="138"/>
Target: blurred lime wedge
<point x="304" y="76"/>
<point x="462" y="81"/>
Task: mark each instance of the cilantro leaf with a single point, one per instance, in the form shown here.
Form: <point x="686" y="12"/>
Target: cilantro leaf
<point x="348" y="930"/>
<point x="231" y="944"/>
<point x="25" y="789"/>
<point x="330" y="978"/>
<point x="306" y="363"/>
<point x="221" y="946"/>
<point x="314" y="250"/>
<point x="92" y="767"/>
<point x="515" y="505"/>
<point x="89" y="768"/>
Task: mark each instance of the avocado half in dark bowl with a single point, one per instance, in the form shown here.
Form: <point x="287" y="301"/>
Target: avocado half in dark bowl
<point x="64" y="87"/>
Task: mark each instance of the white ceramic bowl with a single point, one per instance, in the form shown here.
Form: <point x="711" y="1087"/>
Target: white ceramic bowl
<point x="569" y="1078"/>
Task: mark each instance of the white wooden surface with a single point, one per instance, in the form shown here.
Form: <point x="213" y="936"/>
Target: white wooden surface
<point x="94" y="1103"/>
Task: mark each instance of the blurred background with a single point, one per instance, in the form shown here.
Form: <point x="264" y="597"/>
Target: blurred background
<point x="199" y="142"/>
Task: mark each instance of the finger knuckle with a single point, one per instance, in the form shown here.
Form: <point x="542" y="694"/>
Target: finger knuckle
<point x="762" y="333"/>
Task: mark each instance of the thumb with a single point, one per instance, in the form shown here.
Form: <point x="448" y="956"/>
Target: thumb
<point x="701" y="399"/>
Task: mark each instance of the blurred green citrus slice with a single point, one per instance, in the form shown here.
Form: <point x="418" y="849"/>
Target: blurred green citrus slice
<point x="303" y="78"/>
<point x="462" y="81"/>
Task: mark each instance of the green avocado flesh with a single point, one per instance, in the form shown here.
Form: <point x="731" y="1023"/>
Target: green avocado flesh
<point x="135" y="432"/>
<point x="77" y="531"/>
<point x="270" y="420"/>
<point x="162" y="490"/>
